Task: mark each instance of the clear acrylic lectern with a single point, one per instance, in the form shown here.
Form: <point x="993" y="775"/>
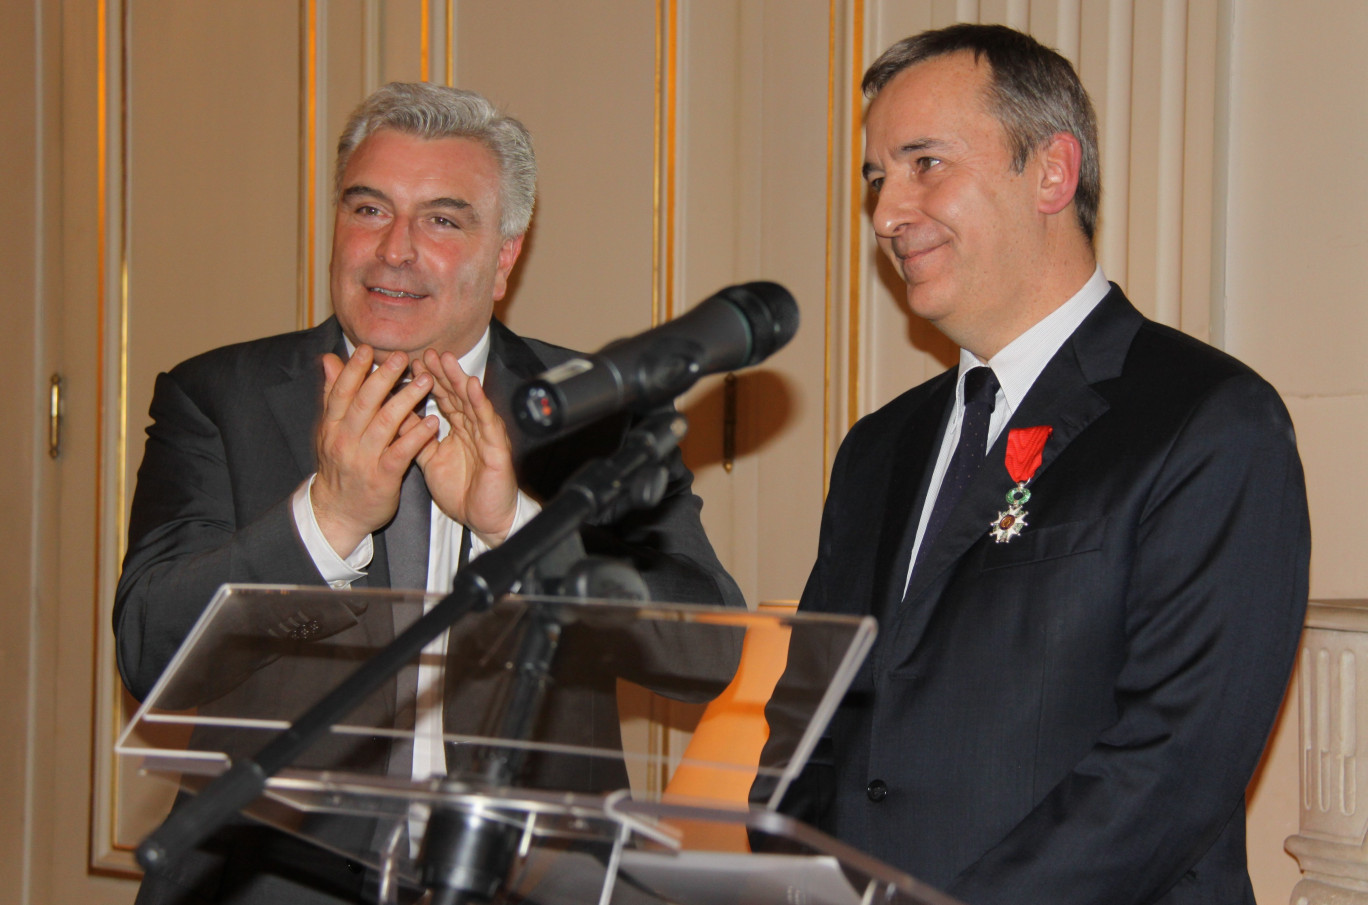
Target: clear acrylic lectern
<point x="262" y="655"/>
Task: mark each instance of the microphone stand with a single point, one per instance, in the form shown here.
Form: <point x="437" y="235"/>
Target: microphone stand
<point x="466" y="854"/>
<point x="635" y="470"/>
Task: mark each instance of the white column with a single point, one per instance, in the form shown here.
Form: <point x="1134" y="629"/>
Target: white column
<point x="1333" y="683"/>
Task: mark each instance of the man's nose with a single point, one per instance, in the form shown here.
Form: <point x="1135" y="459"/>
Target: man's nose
<point x="895" y="208"/>
<point x="396" y="246"/>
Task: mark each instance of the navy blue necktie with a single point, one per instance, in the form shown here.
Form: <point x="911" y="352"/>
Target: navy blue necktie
<point x="980" y="393"/>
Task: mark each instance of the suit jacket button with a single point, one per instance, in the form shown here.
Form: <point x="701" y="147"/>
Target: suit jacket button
<point x="877" y="790"/>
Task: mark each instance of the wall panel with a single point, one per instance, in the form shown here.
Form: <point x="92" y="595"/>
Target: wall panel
<point x="26" y="474"/>
<point x="200" y="240"/>
<point x="583" y="84"/>
<point x="784" y="402"/>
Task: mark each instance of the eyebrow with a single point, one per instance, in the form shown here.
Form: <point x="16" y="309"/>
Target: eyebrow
<point x="911" y="147"/>
<point x="353" y="191"/>
<point x="443" y="203"/>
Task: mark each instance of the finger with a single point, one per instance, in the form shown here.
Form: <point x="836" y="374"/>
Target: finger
<point x="332" y="369"/>
<point x="432" y="362"/>
<point x="386" y="423"/>
<point x="378" y="386"/>
<point x="477" y="400"/>
<point x="411" y="421"/>
<point x="451" y="367"/>
<point x="409" y="398"/>
<point x="407" y="446"/>
<point x="341" y="389"/>
<point x="461" y="384"/>
<point x="429" y="450"/>
<point x="448" y="394"/>
<point x="440" y="387"/>
<point x="492" y="429"/>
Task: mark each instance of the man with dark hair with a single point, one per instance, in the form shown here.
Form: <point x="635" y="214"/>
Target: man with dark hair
<point x="1087" y="546"/>
<point x="297" y="459"/>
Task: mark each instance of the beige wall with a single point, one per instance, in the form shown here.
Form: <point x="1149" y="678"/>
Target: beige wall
<point x="20" y="461"/>
<point x="1296" y="277"/>
<point x="1294" y="291"/>
<point x="685" y="145"/>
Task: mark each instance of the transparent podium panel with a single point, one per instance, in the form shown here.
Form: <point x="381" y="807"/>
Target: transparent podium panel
<point x="418" y="751"/>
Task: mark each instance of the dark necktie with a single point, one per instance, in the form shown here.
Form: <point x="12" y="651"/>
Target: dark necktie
<point x="406" y="546"/>
<point x="980" y="392"/>
<point x="406" y="537"/>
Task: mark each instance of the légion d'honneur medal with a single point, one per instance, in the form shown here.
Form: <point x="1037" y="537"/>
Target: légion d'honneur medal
<point x="1024" y="448"/>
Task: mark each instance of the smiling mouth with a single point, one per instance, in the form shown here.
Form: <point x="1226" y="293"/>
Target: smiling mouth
<point x="394" y="293"/>
<point x="906" y="250"/>
<point x="911" y="257"/>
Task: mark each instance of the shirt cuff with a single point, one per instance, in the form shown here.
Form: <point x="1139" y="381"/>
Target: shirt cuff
<point x="525" y="510"/>
<point x="337" y="571"/>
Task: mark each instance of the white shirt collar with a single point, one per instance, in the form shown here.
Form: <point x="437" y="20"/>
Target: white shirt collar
<point x="473" y="362"/>
<point x="1020" y="362"/>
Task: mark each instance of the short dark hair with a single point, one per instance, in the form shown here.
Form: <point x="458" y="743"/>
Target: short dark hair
<point x="1033" y="92"/>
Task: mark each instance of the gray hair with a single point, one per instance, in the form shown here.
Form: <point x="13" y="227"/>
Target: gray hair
<point x="436" y="111"/>
<point x="1033" y="93"/>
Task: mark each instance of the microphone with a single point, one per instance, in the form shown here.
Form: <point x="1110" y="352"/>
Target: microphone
<point x="737" y="327"/>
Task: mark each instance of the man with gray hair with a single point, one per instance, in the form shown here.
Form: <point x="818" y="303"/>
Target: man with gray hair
<point x="1087" y="546"/>
<point x="300" y="459"/>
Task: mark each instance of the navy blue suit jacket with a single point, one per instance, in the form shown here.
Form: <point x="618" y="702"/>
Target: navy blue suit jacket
<point x="1071" y="716"/>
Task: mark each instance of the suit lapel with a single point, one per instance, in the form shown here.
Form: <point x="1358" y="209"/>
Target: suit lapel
<point x="294" y="402"/>
<point x="511" y="361"/>
<point x="1062" y="397"/>
<point x="911" y="463"/>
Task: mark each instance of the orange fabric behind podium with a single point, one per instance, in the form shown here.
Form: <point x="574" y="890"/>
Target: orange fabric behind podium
<point x="732" y="732"/>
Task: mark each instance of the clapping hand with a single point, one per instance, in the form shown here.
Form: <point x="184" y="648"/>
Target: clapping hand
<point x="470" y="471"/>
<point x="365" y="441"/>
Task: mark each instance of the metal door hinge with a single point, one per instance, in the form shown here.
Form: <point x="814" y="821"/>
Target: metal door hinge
<point x="55" y="415"/>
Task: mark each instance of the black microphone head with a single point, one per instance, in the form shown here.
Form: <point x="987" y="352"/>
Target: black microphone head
<point x="735" y="328"/>
<point x="771" y="312"/>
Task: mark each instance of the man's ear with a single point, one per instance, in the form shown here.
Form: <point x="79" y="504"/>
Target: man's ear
<point x="508" y="256"/>
<point x="1058" y="162"/>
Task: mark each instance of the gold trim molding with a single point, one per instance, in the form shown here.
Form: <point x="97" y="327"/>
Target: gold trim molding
<point x="106" y="855"/>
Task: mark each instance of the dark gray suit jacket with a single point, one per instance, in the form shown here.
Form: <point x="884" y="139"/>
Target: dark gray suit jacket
<point x="230" y="441"/>
<point x="1072" y="716"/>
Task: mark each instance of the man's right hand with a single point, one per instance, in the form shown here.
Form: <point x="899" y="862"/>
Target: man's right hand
<point x="361" y="450"/>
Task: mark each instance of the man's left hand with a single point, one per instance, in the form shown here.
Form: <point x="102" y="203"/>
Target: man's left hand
<point x="469" y="472"/>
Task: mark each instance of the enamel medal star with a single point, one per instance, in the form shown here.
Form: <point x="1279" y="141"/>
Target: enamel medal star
<point x="1010" y="523"/>
<point x="1025" y="446"/>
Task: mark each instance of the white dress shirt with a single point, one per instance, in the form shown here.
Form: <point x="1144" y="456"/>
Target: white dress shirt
<point x="1016" y="367"/>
